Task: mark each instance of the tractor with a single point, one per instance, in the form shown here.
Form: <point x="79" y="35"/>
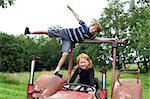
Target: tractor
<point x="54" y="87"/>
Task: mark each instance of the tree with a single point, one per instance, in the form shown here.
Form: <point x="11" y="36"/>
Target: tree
<point x="11" y="54"/>
<point x="49" y="52"/>
<point x="114" y="22"/>
<point x="5" y="3"/>
<point x="140" y="31"/>
<point x="128" y="21"/>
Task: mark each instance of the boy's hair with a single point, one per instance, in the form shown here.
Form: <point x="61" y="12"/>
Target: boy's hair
<point x="83" y="55"/>
<point x="97" y="25"/>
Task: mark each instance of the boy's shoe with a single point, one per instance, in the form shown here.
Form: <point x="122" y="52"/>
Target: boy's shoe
<point x="26" y="31"/>
<point x="58" y="73"/>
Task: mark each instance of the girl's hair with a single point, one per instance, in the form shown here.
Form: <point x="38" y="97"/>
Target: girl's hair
<point x="83" y="55"/>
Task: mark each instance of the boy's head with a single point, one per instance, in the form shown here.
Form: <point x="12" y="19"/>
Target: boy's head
<point x="94" y="27"/>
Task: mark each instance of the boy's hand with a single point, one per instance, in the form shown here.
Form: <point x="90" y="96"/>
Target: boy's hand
<point x="113" y="39"/>
<point x="74" y="13"/>
<point x="68" y="6"/>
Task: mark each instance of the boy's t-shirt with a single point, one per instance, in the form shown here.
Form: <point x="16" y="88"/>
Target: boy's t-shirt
<point x="80" y="33"/>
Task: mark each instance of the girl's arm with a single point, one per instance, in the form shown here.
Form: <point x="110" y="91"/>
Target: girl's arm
<point x="74" y="13"/>
<point x="74" y="76"/>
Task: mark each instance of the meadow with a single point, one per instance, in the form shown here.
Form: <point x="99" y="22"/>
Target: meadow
<point x="13" y="85"/>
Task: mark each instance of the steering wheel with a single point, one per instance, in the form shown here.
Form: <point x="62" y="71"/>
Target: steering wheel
<point x="78" y="87"/>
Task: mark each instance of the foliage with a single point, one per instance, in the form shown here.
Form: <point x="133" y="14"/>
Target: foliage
<point x="5" y="3"/>
<point x="11" y="54"/>
<point x="130" y="21"/>
<point x="94" y="51"/>
<point x="15" y="52"/>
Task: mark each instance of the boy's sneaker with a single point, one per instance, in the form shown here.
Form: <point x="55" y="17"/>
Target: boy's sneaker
<point x="26" y="31"/>
<point x="58" y="73"/>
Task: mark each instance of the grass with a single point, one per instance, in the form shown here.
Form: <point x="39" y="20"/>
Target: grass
<point x="13" y="85"/>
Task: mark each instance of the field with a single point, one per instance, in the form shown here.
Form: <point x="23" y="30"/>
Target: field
<point x="13" y="85"/>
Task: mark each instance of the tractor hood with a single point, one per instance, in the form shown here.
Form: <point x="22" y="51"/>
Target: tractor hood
<point x="71" y="95"/>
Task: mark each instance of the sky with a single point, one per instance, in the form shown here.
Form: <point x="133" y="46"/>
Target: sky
<point x="41" y="14"/>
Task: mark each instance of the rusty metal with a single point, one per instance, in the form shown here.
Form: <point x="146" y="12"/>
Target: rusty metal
<point x="70" y="64"/>
<point x="47" y="85"/>
<point x="113" y="70"/>
<point x="129" y="89"/>
<point x="71" y="95"/>
<point x="103" y="93"/>
<point x="130" y="71"/>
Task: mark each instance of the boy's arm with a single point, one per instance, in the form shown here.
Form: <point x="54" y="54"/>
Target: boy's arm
<point x="104" y="39"/>
<point x="74" y="13"/>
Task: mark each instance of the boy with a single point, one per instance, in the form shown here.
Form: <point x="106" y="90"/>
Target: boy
<point x="68" y="36"/>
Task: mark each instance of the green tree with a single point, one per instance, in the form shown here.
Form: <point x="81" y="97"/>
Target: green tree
<point x="50" y="53"/>
<point x="114" y="22"/>
<point x="11" y="53"/>
<point x="29" y="48"/>
<point x="128" y="21"/>
<point x="5" y="3"/>
<point x="140" y="33"/>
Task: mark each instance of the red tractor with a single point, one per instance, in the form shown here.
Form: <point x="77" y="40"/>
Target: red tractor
<point x="54" y="87"/>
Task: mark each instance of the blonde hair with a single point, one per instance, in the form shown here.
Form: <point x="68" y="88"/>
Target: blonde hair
<point x="85" y="56"/>
<point x="96" y="24"/>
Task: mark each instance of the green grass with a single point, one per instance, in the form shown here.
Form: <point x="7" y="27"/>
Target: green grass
<point x="13" y="85"/>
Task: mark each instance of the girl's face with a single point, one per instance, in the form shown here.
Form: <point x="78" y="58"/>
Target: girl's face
<point x="83" y="63"/>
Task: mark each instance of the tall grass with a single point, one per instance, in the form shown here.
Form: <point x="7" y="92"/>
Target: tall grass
<point x="13" y="85"/>
<point x="7" y="79"/>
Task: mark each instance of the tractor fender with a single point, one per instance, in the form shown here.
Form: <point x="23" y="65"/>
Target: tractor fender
<point x="47" y="85"/>
<point x="128" y="89"/>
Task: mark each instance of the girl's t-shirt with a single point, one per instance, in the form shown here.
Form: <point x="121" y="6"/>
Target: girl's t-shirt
<point x="85" y="76"/>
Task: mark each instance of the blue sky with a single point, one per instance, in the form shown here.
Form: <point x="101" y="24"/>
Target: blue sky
<point x="40" y="14"/>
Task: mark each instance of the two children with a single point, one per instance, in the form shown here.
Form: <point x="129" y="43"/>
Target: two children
<point x="70" y="35"/>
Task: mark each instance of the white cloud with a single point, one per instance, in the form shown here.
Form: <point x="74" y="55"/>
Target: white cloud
<point x="40" y="14"/>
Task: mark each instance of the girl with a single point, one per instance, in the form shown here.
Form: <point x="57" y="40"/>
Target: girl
<point x="85" y="70"/>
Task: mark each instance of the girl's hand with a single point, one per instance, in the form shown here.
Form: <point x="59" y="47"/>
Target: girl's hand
<point x="91" y="92"/>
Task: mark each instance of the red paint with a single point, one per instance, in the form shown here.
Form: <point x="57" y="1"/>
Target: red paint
<point x="103" y="94"/>
<point x="72" y="95"/>
<point x="70" y="64"/>
<point x="113" y="70"/>
<point x="30" y="88"/>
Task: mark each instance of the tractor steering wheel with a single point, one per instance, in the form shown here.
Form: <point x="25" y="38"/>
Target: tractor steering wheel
<point x="78" y="87"/>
